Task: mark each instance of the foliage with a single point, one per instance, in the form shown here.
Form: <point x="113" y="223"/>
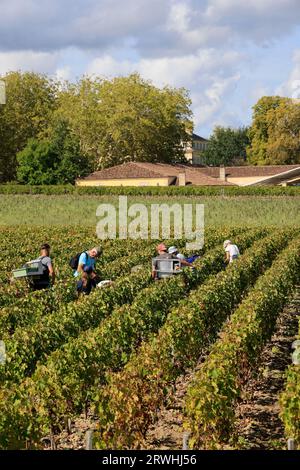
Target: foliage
<point x="120" y="350"/>
<point x="289" y="402"/>
<point x="31" y="100"/>
<point x="127" y="118"/>
<point x="129" y="403"/>
<point x="58" y="160"/>
<point x="228" y="191"/>
<point x="274" y="132"/>
<point x="107" y="346"/>
<point x="217" y="385"/>
<point x="284" y="134"/>
<point x="109" y="121"/>
<point x="227" y="146"/>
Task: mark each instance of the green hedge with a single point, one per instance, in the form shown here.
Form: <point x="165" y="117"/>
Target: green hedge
<point x="153" y="191"/>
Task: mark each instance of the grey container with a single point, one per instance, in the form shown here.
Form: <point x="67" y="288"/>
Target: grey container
<point x="32" y="268"/>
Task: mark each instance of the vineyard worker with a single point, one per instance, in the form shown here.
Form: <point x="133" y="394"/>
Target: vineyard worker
<point x="231" y="251"/>
<point x="48" y="277"/>
<point x="173" y="251"/>
<point x="86" y="269"/>
<point x="162" y="254"/>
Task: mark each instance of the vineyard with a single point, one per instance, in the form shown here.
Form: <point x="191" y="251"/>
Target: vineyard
<point x="117" y="354"/>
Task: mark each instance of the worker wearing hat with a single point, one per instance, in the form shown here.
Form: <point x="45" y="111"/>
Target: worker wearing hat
<point x="231" y="251"/>
<point x="173" y="250"/>
<point x="162" y="254"/>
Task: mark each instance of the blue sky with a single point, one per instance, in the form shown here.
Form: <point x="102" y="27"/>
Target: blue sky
<point x="227" y="53"/>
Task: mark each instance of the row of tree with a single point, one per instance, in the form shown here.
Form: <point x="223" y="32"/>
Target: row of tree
<point x="53" y="132"/>
<point x="272" y="139"/>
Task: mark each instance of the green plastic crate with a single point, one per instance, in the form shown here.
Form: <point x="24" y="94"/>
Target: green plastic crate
<point x="30" y="269"/>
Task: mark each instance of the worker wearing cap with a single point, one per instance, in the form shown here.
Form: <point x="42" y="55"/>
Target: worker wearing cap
<point x="86" y="269"/>
<point x="174" y="252"/>
<point x="162" y="254"/>
<point x="231" y="251"/>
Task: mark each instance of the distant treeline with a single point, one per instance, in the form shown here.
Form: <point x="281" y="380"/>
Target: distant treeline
<point x="52" y="132"/>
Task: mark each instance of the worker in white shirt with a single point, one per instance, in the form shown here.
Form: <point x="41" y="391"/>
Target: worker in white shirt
<point x="231" y="251"/>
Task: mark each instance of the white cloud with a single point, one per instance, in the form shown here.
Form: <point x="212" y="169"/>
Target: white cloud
<point x="291" y="87"/>
<point x="186" y="22"/>
<point x="28" y="61"/>
<point x="213" y="100"/>
<point x="154" y="26"/>
<point x="256" y="20"/>
<point x="96" y="24"/>
<point x="207" y="46"/>
<point x="210" y="76"/>
<point x="63" y="73"/>
<point x="174" y="71"/>
<point x="109" y="67"/>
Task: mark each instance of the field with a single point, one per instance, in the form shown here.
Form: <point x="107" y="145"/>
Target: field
<point x="119" y="359"/>
<point x="219" y="210"/>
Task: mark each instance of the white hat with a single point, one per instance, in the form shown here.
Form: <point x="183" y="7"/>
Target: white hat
<point x="227" y="242"/>
<point x="172" y="250"/>
<point x="180" y="256"/>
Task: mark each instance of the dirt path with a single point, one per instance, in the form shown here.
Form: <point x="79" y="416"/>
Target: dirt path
<point x="167" y="432"/>
<point x="258" y="423"/>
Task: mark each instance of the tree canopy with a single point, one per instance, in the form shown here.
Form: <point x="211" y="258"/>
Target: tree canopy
<point x="227" y="146"/>
<point x="275" y="132"/>
<point x="55" y="161"/>
<point x="126" y="118"/>
<point x="30" y="102"/>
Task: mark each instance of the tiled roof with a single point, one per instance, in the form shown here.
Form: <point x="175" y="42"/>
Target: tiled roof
<point x="199" y="138"/>
<point x="245" y="171"/>
<point x="156" y="170"/>
<point x="126" y="170"/>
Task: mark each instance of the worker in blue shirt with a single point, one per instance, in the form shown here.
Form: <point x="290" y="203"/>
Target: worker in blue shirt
<point x="86" y="269"/>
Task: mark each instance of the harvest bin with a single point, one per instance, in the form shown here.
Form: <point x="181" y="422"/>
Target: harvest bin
<point x="32" y="268"/>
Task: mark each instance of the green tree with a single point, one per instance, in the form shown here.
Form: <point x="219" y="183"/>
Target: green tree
<point x="283" y="145"/>
<point x="259" y="130"/>
<point x="55" y="161"/>
<point x="31" y="99"/>
<point x="127" y="118"/>
<point x="227" y="146"/>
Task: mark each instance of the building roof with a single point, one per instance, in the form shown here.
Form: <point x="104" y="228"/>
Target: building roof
<point x="291" y="175"/>
<point x="248" y="171"/>
<point x="124" y="171"/>
<point x="156" y="170"/>
<point x="205" y="176"/>
<point x="199" y="138"/>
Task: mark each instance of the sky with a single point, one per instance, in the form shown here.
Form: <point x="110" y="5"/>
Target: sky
<point x="227" y="53"/>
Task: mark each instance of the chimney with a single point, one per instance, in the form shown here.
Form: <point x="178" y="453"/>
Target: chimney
<point x="181" y="179"/>
<point x="222" y="173"/>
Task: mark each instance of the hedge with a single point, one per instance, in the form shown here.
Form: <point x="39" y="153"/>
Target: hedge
<point x="152" y="190"/>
